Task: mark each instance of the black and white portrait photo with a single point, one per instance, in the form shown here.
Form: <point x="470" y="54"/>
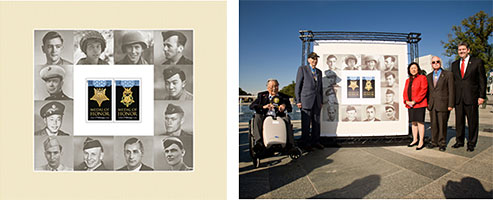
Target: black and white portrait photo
<point x="93" y="153"/>
<point x="53" y="118"/>
<point x="53" y="47"/>
<point x="53" y="153"/>
<point x="133" y="153"/>
<point x="173" y="47"/>
<point x="134" y="47"/>
<point x="173" y="83"/>
<point x="93" y="47"/>
<point x="53" y="82"/>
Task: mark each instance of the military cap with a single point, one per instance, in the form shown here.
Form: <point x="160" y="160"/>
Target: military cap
<point x="171" y="71"/>
<point x="313" y="55"/>
<point x="389" y="91"/>
<point x="351" y="57"/>
<point x="389" y="106"/>
<point x="182" y="40"/>
<point x="92" y="143"/>
<point x="92" y="35"/>
<point x="132" y="38"/>
<point x="51" y="142"/>
<point x="172" y="109"/>
<point x="52" y="108"/>
<point x="52" y="71"/>
<point x="168" y="141"/>
<point x="349" y="108"/>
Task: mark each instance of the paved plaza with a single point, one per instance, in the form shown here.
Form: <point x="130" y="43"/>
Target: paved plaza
<point x="376" y="171"/>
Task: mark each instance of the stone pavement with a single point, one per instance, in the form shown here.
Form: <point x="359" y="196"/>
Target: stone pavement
<point x="374" y="172"/>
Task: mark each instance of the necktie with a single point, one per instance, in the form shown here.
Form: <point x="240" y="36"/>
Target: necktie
<point x="435" y="80"/>
<point x="314" y="73"/>
<point x="462" y="66"/>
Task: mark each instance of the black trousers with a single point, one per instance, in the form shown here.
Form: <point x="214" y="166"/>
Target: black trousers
<point x="470" y="112"/>
<point x="258" y="124"/>
<point x="308" y="116"/>
<point x="439" y="127"/>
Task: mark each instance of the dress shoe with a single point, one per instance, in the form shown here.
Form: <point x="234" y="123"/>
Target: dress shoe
<point x="471" y="149"/>
<point x="412" y="145"/>
<point x="457" y="145"/>
<point x="430" y="146"/>
<point x="419" y="148"/>
<point x="319" y="146"/>
<point x="442" y="148"/>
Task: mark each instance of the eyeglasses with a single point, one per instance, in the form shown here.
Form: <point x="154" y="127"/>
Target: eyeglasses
<point x="433" y="62"/>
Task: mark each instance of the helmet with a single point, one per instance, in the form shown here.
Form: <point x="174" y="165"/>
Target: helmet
<point x="132" y="38"/>
<point x="92" y="35"/>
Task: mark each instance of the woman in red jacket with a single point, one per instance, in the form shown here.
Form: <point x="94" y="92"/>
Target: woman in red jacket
<point x="416" y="102"/>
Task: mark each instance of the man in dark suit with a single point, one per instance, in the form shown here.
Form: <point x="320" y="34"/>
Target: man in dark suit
<point x="133" y="150"/>
<point x="441" y="101"/>
<point x="308" y="91"/>
<point x="470" y="92"/>
<point x="266" y="102"/>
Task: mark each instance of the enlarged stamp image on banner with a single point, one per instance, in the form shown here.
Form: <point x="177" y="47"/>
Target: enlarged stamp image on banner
<point x="127" y="100"/>
<point x="99" y="100"/>
<point x="368" y="87"/>
<point x="353" y="87"/>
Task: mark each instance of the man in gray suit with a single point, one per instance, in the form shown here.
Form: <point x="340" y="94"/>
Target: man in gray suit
<point x="440" y="102"/>
<point x="308" y="91"/>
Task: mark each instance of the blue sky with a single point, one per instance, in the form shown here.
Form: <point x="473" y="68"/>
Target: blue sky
<point x="270" y="47"/>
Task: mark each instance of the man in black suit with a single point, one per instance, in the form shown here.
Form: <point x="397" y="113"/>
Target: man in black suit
<point x="309" y="93"/>
<point x="133" y="150"/>
<point x="266" y="102"/>
<point x="441" y="101"/>
<point x="470" y="92"/>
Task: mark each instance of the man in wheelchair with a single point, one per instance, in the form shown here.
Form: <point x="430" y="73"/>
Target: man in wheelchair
<point x="268" y="103"/>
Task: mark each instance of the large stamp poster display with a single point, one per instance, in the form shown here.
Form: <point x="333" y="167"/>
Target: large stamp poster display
<point x="363" y="84"/>
<point x="113" y="100"/>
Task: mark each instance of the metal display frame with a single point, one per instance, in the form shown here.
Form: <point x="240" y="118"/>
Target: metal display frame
<point x="308" y="37"/>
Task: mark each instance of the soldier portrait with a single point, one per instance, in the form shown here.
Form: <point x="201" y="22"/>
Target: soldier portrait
<point x="54" y="82"/>
<point x="136" y="153"/>
<point x="173" y="83"/>
<point x="351" y="62"/>
<point x="50" y="119"/>
<point x="56" y="152"/>
<point x="94" y="47"/>
<point x="390" y="63"/>
<point x="174" y="47"/>
<point x="170" y="154"/>
<point x="133" y="47"/>
<point x="93" y="153"/>
<point x="371" y="114"/>
<point x="390" y="113"/>
<point x="351" y="114"/>
<point x="53" y="47"/>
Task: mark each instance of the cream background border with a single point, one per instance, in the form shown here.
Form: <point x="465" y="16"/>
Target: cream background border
<point x="17" y="22"/>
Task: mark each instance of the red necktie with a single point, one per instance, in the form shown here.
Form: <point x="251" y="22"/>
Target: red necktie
<point x="462" y="66"/>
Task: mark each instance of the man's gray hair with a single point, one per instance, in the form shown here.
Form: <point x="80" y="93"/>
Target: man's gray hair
<point x="272" y="79"/>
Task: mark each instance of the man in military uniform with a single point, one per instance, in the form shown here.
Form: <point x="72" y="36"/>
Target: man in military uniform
<point x="93" y="156"/>
<point x="174" y="83"/>
<point x="351" y="114"/>
<point x="133" y="45"/>
<point x="53" y="76"/>
<point x="389" y="99"/>
<point x="93" y="45"/>
<point x="52" y="114"/>
<point x="52" y="48"/>
<point x="390" y="113"/>
<point x="390" y="63"/>
<point x="174" y="44"/>
<point x="390" y="78"/>
<point x="173" y="154"/>
<point x="133" y="150"/>
<point x="351" y="62"/>
<point x="53" y="153"/>
<point x="371" y="63"/>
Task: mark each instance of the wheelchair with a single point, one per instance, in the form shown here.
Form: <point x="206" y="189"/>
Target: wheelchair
<point x="274" y="138"/>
